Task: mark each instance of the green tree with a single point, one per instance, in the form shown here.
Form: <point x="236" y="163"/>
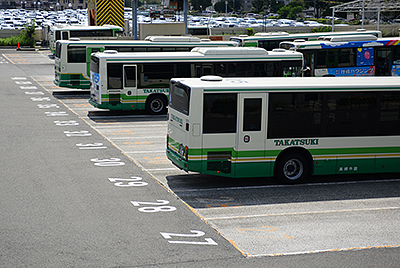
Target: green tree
<point x="220" y="6"/>
<point x="28" y="34"/>
<point x="291" y="11"/>
<point x="26" y="37"/>
<point x="269" y="6"/>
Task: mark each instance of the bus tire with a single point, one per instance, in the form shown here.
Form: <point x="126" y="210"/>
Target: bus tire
<point x="292" y="168"/>
<point x="156" y="104"/>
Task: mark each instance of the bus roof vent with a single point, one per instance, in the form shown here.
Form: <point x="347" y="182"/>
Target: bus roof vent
<point x="348" y="38"/>
<point x="243" y="35"/>
<point x="205" y="40"/>
<point x="299" y="40"/>
<point x="361" y="30"/>
<point x="74" y="39"/>
<point x="110" y="52"/>
<point x="233" y="51"/>
<point x="172" y="39"/>
<point x="211" y="78"/>
<point x="278" y="50"/>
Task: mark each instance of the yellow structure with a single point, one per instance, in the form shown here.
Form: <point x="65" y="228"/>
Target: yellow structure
<point x="106" y="12"/>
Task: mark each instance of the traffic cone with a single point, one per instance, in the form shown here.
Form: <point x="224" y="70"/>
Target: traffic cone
<point x="18" y="48"/>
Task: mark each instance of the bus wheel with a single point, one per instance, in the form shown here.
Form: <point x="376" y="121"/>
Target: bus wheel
<point x="292" y="168"/>
<point x="156" y="104"/>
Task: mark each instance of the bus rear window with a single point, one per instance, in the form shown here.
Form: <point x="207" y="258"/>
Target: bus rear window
<point x="91" y="33"/>
<point x="179" y="97"/>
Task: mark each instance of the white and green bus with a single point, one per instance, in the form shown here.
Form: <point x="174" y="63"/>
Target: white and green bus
<point x="272" y="40"/>
<point x="289" y="128"/>
<point x="137" y="81"/>
<point x="72" y="57"/>
<point x="58" y="32"/>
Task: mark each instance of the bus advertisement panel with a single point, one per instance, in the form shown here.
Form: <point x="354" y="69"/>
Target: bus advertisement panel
<point x="349" y="56"/>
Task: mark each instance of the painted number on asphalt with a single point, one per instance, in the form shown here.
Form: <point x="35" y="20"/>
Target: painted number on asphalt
<point x="133" y="181"/>
<point x="154" y="207"/>
<point x="209" y="241"/>
<point x="111" y="162"/>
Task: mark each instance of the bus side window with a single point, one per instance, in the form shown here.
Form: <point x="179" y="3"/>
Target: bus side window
<point x="182" y="70"/>
<point x="130" y="76"/>
<point x="252" y="115"/>
<point x="114" y="76"/>
<point x="76" y="54"/>
<point x="203" y="69"/>
<point x="58" y="35"/>
<point x="219" y="113"/>
<point x="197" y="70"/>
<point x="65" y="36"/>
<point x="396" y="55"/>
<point x="207" y="70"/>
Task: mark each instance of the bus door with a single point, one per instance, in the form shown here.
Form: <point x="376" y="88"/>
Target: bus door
<point x="251" y="135"/>
<point x="89" y="51"/>
<point x="219" y="132"/>
<point x="383" y="59"/>
<point x="308" y="69"/>
<point x="130" y="83"/>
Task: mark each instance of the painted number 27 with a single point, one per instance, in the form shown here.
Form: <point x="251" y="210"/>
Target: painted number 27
<point x="194" y="233"/>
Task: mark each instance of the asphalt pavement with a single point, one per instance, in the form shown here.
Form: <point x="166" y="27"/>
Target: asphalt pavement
<point x="72" y="195"/>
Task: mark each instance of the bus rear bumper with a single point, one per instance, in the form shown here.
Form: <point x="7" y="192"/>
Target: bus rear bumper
<point x="177" y="160"/>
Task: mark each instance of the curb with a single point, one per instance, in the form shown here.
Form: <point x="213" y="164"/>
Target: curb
<point x="24" y="48"/>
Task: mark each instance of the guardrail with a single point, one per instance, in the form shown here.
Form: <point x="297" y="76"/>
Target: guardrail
<point x="226" y="32"/>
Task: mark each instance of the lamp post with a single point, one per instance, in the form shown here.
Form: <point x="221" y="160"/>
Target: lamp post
<point x="226" y="8"/>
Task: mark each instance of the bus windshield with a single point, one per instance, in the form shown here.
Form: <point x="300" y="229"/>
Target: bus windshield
<point x="58" y="49"/>
<point x="179" y="97"/>
<point x="94" y="64"/>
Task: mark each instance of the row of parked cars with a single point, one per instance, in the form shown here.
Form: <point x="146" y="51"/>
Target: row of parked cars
<point x="249" y="22"/>
<point x="17" y="18"/>
<point x="11" y="19"/>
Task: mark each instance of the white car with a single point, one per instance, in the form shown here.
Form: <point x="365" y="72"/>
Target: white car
<point x="298" y="24"/>
<point x="313" y="23"/>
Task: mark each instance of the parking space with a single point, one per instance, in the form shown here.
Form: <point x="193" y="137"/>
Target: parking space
<point x="259" y="217"/>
